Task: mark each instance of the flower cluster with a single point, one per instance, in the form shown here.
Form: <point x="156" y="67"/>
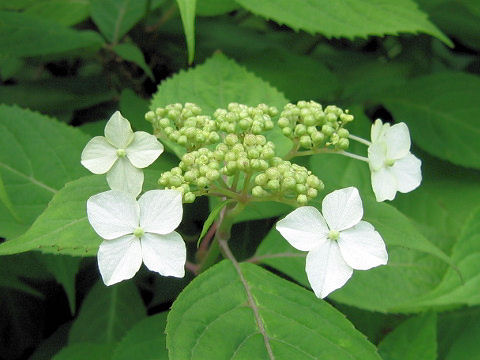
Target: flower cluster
<point x="133" y="231"/>
<point x="184" y="125"/>
<point x="239" y="118"/>
<point x="287" y="180"/>
<point x="314" y="127"/>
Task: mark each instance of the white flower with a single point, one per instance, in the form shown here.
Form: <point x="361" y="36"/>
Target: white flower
<point x="337" y="242"/>
<point x="121" y="153"/>
<point x="138" y="230"/>
<point x="393" y="167"/>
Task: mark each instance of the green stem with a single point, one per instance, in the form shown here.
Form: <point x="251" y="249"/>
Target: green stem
<point x="359" y="139"/>
<point x="223" y="233"/>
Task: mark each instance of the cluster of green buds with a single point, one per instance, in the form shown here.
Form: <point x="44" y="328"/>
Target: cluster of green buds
<point x="250" y="155"/>
<point x="229" y="155"/>
<point x="184" y="125"/>
<point x="196" y="171"/>
<point x="311" y="126"/>
<point x="287" y="180"/>
<point x="239" y="118"/>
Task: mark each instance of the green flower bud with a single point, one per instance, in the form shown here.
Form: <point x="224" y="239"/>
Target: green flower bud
<point x="300" y="188"/>
<point x="302" y="200"/>
<point x="287" y="131"/>
<point x="231" y="139"/>
<point x="306" y="141"/>
<point x="267" y="153"/>
<point x="261" y="179"/>
<point x="288" y="183"/>
<point x="327" y="130"/>
<point x="213" y="175"/>
<point x="343" y="144"/>
<point x="312" y="193"/>
<point x="283" y="122"/>
<point x="273" y="173"/>
<point x="230" y="156"/>
<point x="317" y="138"/>
<point x="343" y="133"/>
<point x="175" y="180"/>
<point x="313" y="181"/>
<point x="273" y="185"/>
<point x="150" y="116"/>
<point x="309" y="120"/>
<point x="189" y="197"/>
<point x="202" y="182"/>
<point x="258" y="191"/>
<point x="261" y="140"/>
<point x="300" y="130"/>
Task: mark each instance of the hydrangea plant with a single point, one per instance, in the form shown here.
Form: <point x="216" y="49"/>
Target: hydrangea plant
<point x="228" y="155"/>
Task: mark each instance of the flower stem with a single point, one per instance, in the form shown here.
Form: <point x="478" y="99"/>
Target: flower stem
<point x="353" y="156"/>
<point x="224" y="227"/>
<point x="359" y="139"/>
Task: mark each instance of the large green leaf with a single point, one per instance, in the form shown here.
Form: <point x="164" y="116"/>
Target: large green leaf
<point x="187" y="12"/>
<point x="63" y="228"/>
<point x="415" y="338"/>
<point x="131" y="52"/>
<point x="350" y="18"/>
<point x="107" y="313"/>
<point x="271" y="317"/>
<point x="145" y="340"/>
<point x="38" y="155"/>
<point x="215" y="7"/>
<point x="24" y="35"/>
<point x="115" y="18"/>
<point x="441" y="111"/>
<point x="214" y="84"/>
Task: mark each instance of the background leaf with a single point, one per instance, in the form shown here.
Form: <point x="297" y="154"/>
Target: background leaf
<point x="28" y="35"/>
<point x="115" y="18"/>
<point x="131" y="52"/>
<point x="350" y="19"/>
<point x="187" y="12"/>
<point x="415" y="338"/>
<point x="107" y="313"/>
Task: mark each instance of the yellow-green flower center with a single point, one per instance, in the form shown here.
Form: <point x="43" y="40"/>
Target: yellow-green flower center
<point x="121" y="152"/>
<point x="333" y="235"/>
<point x="138" y="232"/>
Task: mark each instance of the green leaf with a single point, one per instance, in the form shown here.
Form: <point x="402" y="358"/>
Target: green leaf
<point x="131" y="52"/>
<point x="107" y="313"/>
<point x="64" y="12"/>
<point x="466" y="255"/>
<point x="215" y="84"/>
<point x="215" y="7"/>
<point x="187" y="12"/>
<point x="38" y="155"/>
<point x="24" y="35"/>
<point x="17" y="268"/>
<point x="458" y="334"/>
<point x="350" y="19"/>
<point x="415" y="338"/>
<point x="145" y="340"/>
<point x="64" y="269"/>
<point x="272" y="318"/>
<point x="63" y="228"/>
<point x="211" y="218"/>
<point x="133" y="107"/>
<point x="115" y="18"/>
<point x="442" y="119"/>
<point x="84" y="351"/>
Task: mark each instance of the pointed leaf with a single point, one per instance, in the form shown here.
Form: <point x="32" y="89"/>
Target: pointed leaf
<point x="187" y="12"/>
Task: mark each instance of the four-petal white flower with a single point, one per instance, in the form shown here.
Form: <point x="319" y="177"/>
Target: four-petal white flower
<point x="121" y="153"/>
<point x="337" y="242"/>
<point x="393" y="167"/>
<point x="136" y="231"/>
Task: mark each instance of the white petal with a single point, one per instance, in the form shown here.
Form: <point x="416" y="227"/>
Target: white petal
<point x="362" y="247"/>
<point x="377" y="153"/>
<point x="160" y="211"/>
<point x="342" y="208"/>
<point x="144" y="149"/>
<point x="165" y="254"/>
<point x="378" y="130"/>
<point x="98" y="155"/>
<point x="408" y="173"/>
<point x="326" y="269"/>
<point x="119" y="259"/>
<point x="113" y="214"/>
<point x="398" y="141"/>
<point x="123" y="176"/>
<point x="118" y="131"/>
<point x="384" y="184"/>
<point x="304" y="228"/>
